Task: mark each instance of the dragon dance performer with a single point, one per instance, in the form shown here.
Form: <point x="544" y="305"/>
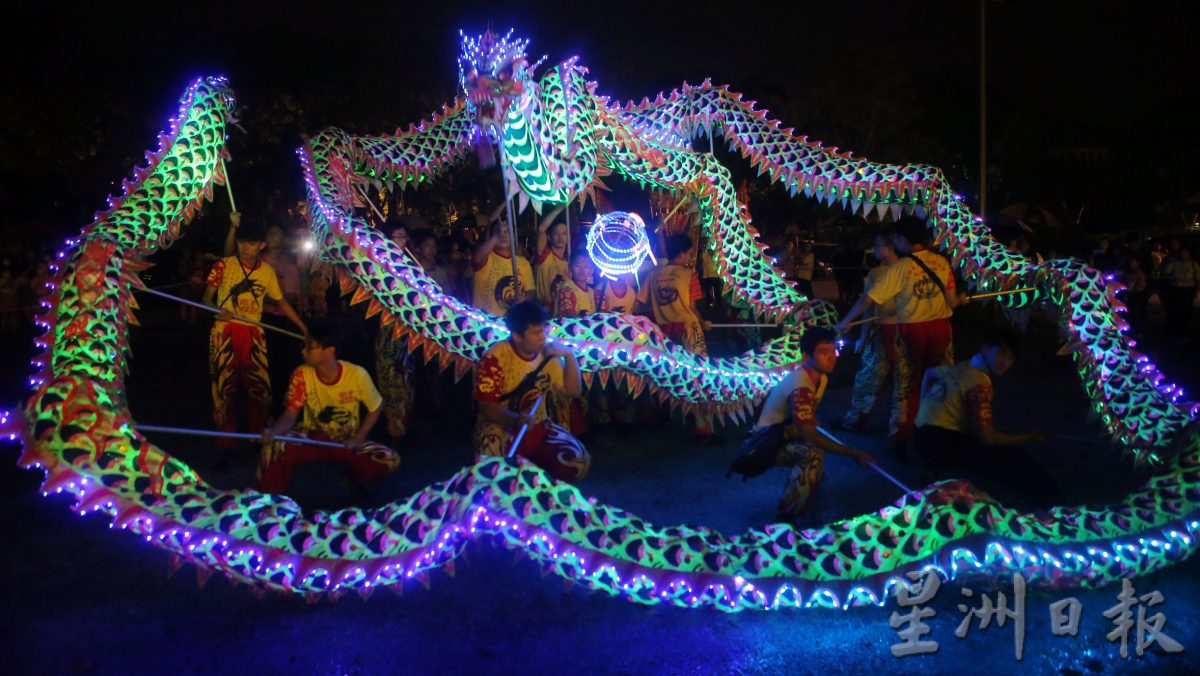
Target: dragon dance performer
<point x="551" y="257"/>
<point x="922" y="286"/>
<point x="672" y="291"/>
<point x="614" y="403"/>
<point x="324" y="396"/>
<point x="509" y="380"/>
<point x="876" y="344"/>
<point x="617" y="295"/>
<point x="494" y="291"/>
<point x="237" y="351"/>
<point x="574" y="297"/>
<point x="954" y="422"/>
<point x="786" y="434"/>
<point x="394" y="364"/>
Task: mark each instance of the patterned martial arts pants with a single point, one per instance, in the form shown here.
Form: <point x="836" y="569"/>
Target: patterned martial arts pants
<point x="237" y="361"/>
<point x="394" y="365"/>
<point x="877" y="363"/>
<point x="806" y="469"/>
<point x="368" y="463"/>
<point x="919" y="346"/>
<point x="546" y="444"/>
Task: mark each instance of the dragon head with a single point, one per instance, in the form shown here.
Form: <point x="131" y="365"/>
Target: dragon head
<point x="493" y="72"/>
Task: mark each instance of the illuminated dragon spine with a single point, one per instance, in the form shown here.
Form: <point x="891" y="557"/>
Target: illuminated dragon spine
<point x="76" y="424"/>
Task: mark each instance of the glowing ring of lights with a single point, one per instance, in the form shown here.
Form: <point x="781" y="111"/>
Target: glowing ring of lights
<point x="617" y="243"/>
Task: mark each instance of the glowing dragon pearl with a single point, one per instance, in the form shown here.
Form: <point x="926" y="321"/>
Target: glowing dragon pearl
<point x="617" y="243"/>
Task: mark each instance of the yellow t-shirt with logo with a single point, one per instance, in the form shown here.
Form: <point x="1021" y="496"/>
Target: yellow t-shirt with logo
<point x="794" y="401"/>
<point x="670" y="290"/>
<point x="549" y="266"/>
<point x="956" y="397"/>
<point x="494" y="291"/>
<point x="708" y="267"/>
<point x="241" y="290"/>
<point x="885" y="311"/>
<point x="332" y="408"/>
<point x="619" y="296"/>
<point x="917" y="297"/>
<point x="501" y="370"/>
<point x="574" y="300"/>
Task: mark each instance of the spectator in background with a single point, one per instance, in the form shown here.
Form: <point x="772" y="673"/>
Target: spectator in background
<point x="10" y="305"/>
<point x="710" y="280"/>
<point x="39" y="286"/>
<point x="1020" y="316"/>
<point x="192" y="270"/>
<point x="425" y="248"/>
<point x="806" y="266"/>
<point x="1181" y="274"/>
<point x="1158" y="255"/>
<point x="458" y="263"/>
<point x="399" y="235"/>
<point x="278" y="257"/>
<point x="1137" y="296"/>
<point x="1104" y="257"/>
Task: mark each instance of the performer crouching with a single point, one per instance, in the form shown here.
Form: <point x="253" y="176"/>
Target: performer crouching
<point x="787" y="430"/>
<point x="328" y="392"/>
<point x="510" y="379"/>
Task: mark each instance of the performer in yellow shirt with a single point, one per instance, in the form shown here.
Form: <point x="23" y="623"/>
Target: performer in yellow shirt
<point x="617" y="295"/>
<point x="614" y="403"/>
<point x="237" y="351"/>
<point x="876" y="344"/>
<point x="493" y="284"/>
<point x="922" y="287"/>
<point x="786" y="433"/>
<point x="508" y="381"/>
<point x="672" y="292"/>
<point x="955" y="427"/>
<point x="324" y="396"/>
<point x="575" y="294"/>
<point x="575" y="297"/>
<point x="551" y="257"/>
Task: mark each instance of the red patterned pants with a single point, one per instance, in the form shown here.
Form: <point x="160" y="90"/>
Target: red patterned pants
<point x="919" y="346"/>
<point x="876" y="365"/>
<point x="546" y="444"/>
<point x="237" y="361"/>
<point x="368" y="463"/>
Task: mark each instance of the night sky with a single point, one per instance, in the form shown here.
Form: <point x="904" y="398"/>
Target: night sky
<point x="1092" y="74"/>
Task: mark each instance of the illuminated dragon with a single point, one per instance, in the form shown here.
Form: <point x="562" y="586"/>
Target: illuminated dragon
<point x="557" y="140"/>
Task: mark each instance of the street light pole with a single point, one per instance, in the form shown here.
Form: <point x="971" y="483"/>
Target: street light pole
<point x="983" y="108"/>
